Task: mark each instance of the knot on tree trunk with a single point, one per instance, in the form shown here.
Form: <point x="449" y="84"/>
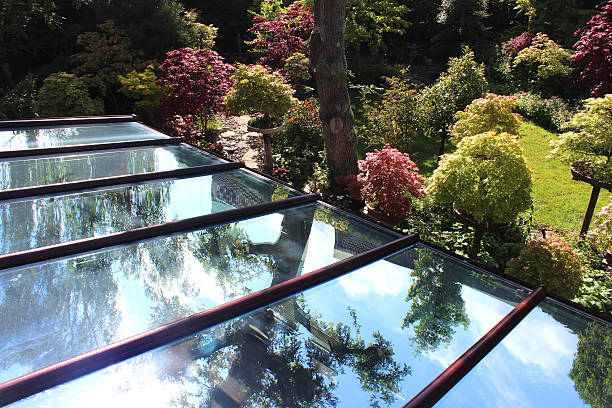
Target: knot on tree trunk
<point x="336" y="125"/>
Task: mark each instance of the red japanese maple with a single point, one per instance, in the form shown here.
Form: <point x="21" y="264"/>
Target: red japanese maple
<point x="388" y="180"/>
<point x="197" y="80"/>
<point x="593" y="52"/>
<point x="282" y="36"/>
<point x="516" y="44"/>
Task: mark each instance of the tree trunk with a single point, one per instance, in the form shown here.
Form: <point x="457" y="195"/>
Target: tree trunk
<point x="328" y="63"/>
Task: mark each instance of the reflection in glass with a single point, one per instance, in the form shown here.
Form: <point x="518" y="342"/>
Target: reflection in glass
<point x="341" y="344"/>
<point x="53" y="311"/>
<point x="36" y="138"/>
<point x="20" y="173"/>
<point x="39" y="222"/>
<point x="555" y="358"/>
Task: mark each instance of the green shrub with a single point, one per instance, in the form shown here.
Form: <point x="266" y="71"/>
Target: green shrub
<point x="142" y="88"/>
<point x="552" y="113"/>
<point x="257" y="90"/>
<point x="456" y="88"/>
<point x="601" y="234"/>
<point x="19" y="102"/>
<point x="486" y="178"/>
<point x="300" y="147"/>
<point x="64" y="94"/>
<point x="544" y="66"/>
<point x="491" y="113"/>
<point x="551" y="262"/>
<point x="393" y="118"/>
<point x="588" y="144"/>
<point x="296" y="68"/>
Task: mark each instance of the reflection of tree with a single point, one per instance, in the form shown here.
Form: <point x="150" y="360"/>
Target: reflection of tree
<point x="284" y="356"/>
<point x="56" y="313"/>
<point x="592" y="368"/>
<point x="437" y="307"/>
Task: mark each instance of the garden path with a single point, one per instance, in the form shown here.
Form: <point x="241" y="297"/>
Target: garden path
<point x="240" y="144"/>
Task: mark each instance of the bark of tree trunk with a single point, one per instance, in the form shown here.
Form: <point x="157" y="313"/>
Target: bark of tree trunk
<point x="328" y="63"/>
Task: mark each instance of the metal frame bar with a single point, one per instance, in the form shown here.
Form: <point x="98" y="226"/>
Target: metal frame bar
<point x="10" y="154"/>
<point x="436" y="389"/>
<point x="116" y="180"/>
<point x="76" y="120"/>
<point x="118" y="238"/>
<point x="43" y="379"/>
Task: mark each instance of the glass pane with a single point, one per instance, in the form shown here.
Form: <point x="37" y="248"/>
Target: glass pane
<point x="554" y="358"/>
<point x="56" y="310"/>
<point x="373" y="337"/>
<point x="36" y="138"/>
<point x="86" y="166"/>
<point x="48" y="220"/>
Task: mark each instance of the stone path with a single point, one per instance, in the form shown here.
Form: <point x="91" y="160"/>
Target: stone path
<point x="240" y="144"/>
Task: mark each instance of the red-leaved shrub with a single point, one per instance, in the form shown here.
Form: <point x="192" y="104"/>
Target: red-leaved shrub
<point x="387" y="181"/>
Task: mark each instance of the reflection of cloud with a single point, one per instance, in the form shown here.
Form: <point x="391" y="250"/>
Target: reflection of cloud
<point x="381" y="278"/>
<point x="538" y="340"/>
<point x="320" y="247"/>
<point x="543" y="341"/>
<point x="262" y="230"/>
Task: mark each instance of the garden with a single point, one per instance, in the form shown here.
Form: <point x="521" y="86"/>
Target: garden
<point x="486" y="127"/>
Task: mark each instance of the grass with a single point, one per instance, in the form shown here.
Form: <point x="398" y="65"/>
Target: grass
<point x="559" y="201"/>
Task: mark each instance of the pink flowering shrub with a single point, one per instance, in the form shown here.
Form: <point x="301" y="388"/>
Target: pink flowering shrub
<point x="516" y="44"/>
<point x="387" y="181"/>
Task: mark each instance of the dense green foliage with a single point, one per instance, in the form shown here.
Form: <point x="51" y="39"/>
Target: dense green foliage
<point x="19" y="102"/>
<point x="257" y="90"/>
<point x="142" y="88"/>
<point x="588" y="144"/>
<point x="551" y="262"/>
<point x="299" y="147"/>
<point x="462" y="82"/>
<point x="64" y="94"/>
<point x="491" y="113"/>
<point x="486" y="178"/>
<point x="601" y="233"/>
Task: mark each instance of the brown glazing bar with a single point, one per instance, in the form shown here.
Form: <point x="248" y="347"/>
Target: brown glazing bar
<point x="111" y="181"/>
<point x="40" y="380"/>
<point x="118" y="238"/>
<point x="77" y="120"/>
<point x="436" y="389"/>
<point x="10" y="154"/>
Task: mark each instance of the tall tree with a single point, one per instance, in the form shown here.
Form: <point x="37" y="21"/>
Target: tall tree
<point x="328" y="62"/>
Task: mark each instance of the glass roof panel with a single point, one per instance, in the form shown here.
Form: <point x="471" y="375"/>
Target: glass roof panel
<point x="373" y="337"/>
<point x="554" y="358"/>
<point x="58" y="309"/>
<point x="19" y="173"/>
<point x="36" y="138"/>
<point x="49" y="220"/>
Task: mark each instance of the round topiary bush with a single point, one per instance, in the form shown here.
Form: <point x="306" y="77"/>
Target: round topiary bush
<point x="486" y="178"/>
<point x="551" y="262"/>
<point x="257" y="90"/>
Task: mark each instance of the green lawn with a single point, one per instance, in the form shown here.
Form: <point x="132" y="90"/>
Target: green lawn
<point x="560" y="202"/>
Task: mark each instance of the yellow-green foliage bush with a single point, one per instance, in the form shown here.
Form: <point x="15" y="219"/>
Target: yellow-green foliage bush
<point x="601" y="234"/>
<point x="257" y="90"/>
<point x="551" y="262"/>
<point x="486" y="178"/>
<point x="588" y="143"/>
<point x="64" y="94"/>
<point x="491" y="113"/>
<point x="142" y="88"/>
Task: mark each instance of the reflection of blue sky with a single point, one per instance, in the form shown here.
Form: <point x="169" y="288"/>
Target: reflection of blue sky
<point x="528" y="369"/>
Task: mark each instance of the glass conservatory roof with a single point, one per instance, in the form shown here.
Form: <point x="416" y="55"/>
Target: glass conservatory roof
<point x="139" y="273"/>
